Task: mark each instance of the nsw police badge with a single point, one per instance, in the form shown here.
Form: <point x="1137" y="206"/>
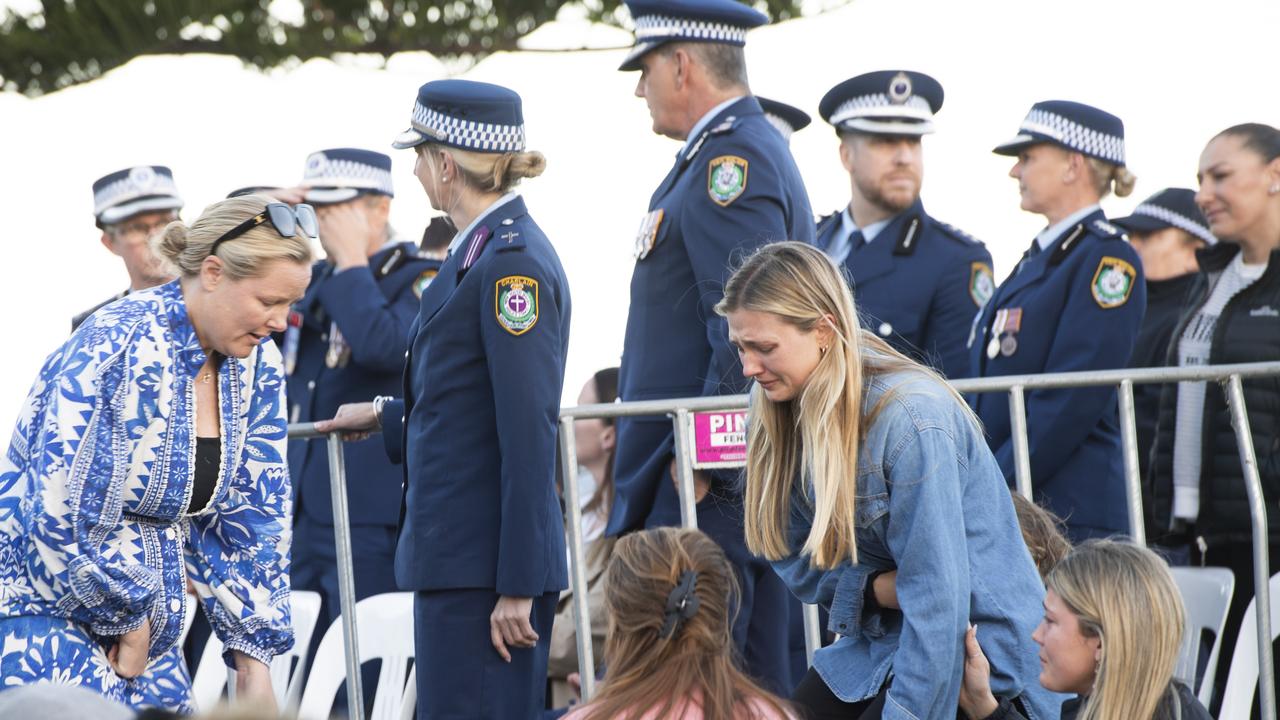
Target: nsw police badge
<point x="516" y="303"/>
<point x="982" y="284"/>
<point x="1112" y="282"/>
<point x="726" y="179"/>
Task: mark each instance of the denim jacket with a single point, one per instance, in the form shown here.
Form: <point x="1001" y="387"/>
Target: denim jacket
<point x="933" y="504"/>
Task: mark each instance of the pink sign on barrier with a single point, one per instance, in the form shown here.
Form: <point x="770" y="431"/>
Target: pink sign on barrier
<point x="719" y="439"/>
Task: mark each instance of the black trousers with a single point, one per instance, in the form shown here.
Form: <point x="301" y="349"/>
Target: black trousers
<point x="815" y="701"/>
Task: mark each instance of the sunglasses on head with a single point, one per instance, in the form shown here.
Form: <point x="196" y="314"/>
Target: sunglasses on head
<point x="287" y="221"/>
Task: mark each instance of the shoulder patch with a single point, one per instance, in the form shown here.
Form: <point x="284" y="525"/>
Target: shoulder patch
<point x="982" y="283"/>
<point x="515" y="303"/>
<point x="423" y="280"/>
<point x="726" y="179"/>
<point x="1112" y="282"/>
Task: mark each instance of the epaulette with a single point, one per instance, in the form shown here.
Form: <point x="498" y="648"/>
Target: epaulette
<point x="725" y="126"/>
<point x="1106" y="230"/>
<point x="507" y="238"/>
<point x="956" y="233"/>
<point x="823" y="220"/>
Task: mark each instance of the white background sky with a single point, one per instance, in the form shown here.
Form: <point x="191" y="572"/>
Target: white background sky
<point x="1176" y="72"/>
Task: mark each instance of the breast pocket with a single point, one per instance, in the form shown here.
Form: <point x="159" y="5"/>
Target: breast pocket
<point x="871" y="520"/>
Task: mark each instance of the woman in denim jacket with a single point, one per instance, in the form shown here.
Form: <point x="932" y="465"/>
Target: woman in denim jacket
<point x="832" y="403"/>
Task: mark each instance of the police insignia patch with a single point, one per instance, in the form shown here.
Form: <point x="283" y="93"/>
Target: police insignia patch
<point x="1112" y="282"/>
<point x="982" y="284"/>
<point x="726" y="179"/>
<point x="420" y="285"/>
<point x="516" y="303"/>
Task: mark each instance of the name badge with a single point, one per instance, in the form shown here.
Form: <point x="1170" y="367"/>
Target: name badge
<point x="291" y="336"/>
<point x="647" y="235"/>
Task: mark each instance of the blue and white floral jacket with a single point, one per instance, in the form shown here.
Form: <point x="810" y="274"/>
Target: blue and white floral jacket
<point x="95" y="487"/>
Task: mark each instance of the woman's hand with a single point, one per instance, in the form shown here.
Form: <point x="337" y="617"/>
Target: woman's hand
<point x="885" y="588"/>
<point x="509" y="625"/>
<point x="356" y="420"/>
<point x="253" y="685"/>
<point x="128" y="657"/>
<point x="976" y="699"/>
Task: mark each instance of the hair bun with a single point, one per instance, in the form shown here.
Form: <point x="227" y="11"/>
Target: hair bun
<point x="171" y="242"/>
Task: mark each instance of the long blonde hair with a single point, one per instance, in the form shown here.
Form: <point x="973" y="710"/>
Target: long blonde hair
<point x="818" y="434"/>
<point x="1124" y="595"/>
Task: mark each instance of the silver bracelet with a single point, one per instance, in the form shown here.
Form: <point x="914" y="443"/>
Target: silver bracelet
<point x="379" y="403"/>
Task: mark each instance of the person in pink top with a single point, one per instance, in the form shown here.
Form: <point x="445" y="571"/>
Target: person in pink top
<point x="670" y="595"/>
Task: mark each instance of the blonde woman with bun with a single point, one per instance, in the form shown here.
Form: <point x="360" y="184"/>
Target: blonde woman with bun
<point x="481" y="538"/>
<point x="1113" y="623"/>
<point x="1073" y="303"/>
<point x="149" y="455"/>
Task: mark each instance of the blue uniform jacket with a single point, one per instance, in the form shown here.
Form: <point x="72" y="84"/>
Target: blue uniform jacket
<point x="736" y="188"/>
<point x="918" y="284"/>
<point x="477" y="429"/>
<point x="373" y="308"/>
<point x="1082" y="301"/>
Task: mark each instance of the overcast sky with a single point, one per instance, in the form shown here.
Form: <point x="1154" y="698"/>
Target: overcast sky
<point x="1175" y="71"/>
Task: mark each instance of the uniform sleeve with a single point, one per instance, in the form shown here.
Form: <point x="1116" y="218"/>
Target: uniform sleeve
<point x="929" y="547"/>
<point x="952" y="311"/>
<point x="524" y="344"/>
<point x="81" y="485"/>
<point x="1089" y="337"/>
<point x="393" y="430"/>
<point x="373" y="326"/>
<point x="238" y="555"/>
<point x="718" y="235"/>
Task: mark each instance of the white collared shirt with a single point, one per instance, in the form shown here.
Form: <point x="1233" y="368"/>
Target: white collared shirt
<point x="840" y="247"/>
<point x="1050" y="235"/>
<point x="466" y="232"/>
<point x="703" y="121"/>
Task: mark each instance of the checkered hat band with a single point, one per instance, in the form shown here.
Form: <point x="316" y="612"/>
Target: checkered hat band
<point x="124" y="190"/>
<point x="468" y="134"/>
<point x="1075" y="136"/>
<point x="879" y="105"/>
<point x="659" y="27"/>
<point x="351" y="174"/>
<point x="1182" y="222"/>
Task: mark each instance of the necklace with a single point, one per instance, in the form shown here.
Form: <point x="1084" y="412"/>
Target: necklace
<point x="205" y="378"/>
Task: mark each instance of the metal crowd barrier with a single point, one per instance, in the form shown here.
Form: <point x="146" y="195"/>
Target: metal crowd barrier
<point x="679" y="410"/>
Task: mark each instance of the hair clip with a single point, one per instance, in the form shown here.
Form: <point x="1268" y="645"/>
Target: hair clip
<point x="682" y="603"/>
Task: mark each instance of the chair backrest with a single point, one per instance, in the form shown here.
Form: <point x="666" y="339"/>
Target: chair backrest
<point x="385" y="624"/>
<point x="1206" y="594"/>
<point x="1242" y="678"/>
<point x="287" y="670"/>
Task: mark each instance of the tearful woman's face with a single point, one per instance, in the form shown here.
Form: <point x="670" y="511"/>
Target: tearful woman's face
<point x="776" y="354"/>
<point x="239" y="314"/>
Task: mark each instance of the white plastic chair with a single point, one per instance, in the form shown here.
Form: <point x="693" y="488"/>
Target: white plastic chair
<point x="1206" y="594"/>
<point x="385" y="623"/>
<point x="287" y="670"/>
<point x="1242" y="678"/>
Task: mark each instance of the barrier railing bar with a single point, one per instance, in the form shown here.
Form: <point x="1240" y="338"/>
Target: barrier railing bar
<point x="346" y="565"/>
<point x="1234" y="389"/>
<point x="684" y="467"/>
<point x="1021" y="448"/>
<point x="577" y="558"/>
<point x="1132" y="478"/>
<point x="812" y="633"/>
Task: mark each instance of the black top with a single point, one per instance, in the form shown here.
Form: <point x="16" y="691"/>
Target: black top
<point x="208" y="459"/>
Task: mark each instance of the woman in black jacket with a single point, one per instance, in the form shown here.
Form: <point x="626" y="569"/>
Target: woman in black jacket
<point x="1232" y="316"/>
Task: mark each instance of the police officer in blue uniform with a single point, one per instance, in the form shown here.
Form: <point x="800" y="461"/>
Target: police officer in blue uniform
<point x="733" y="187"/>
<point x="345" y="343"/>
<point x="917" y="281"/>
<point x="482" y="534"/>
<point x="1074" y="302"/>
<point x="786" y="119"/>
<point x="130" y="206"/>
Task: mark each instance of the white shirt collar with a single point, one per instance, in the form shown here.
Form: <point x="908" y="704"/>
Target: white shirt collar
<point x="702" y="123"/>
<point x="1051" y="234"/>
<point x="466" y="232"/>
<point x="869" y="233"/>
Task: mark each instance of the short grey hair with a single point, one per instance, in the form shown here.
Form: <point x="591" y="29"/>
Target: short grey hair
<point x="727" y="64"/>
